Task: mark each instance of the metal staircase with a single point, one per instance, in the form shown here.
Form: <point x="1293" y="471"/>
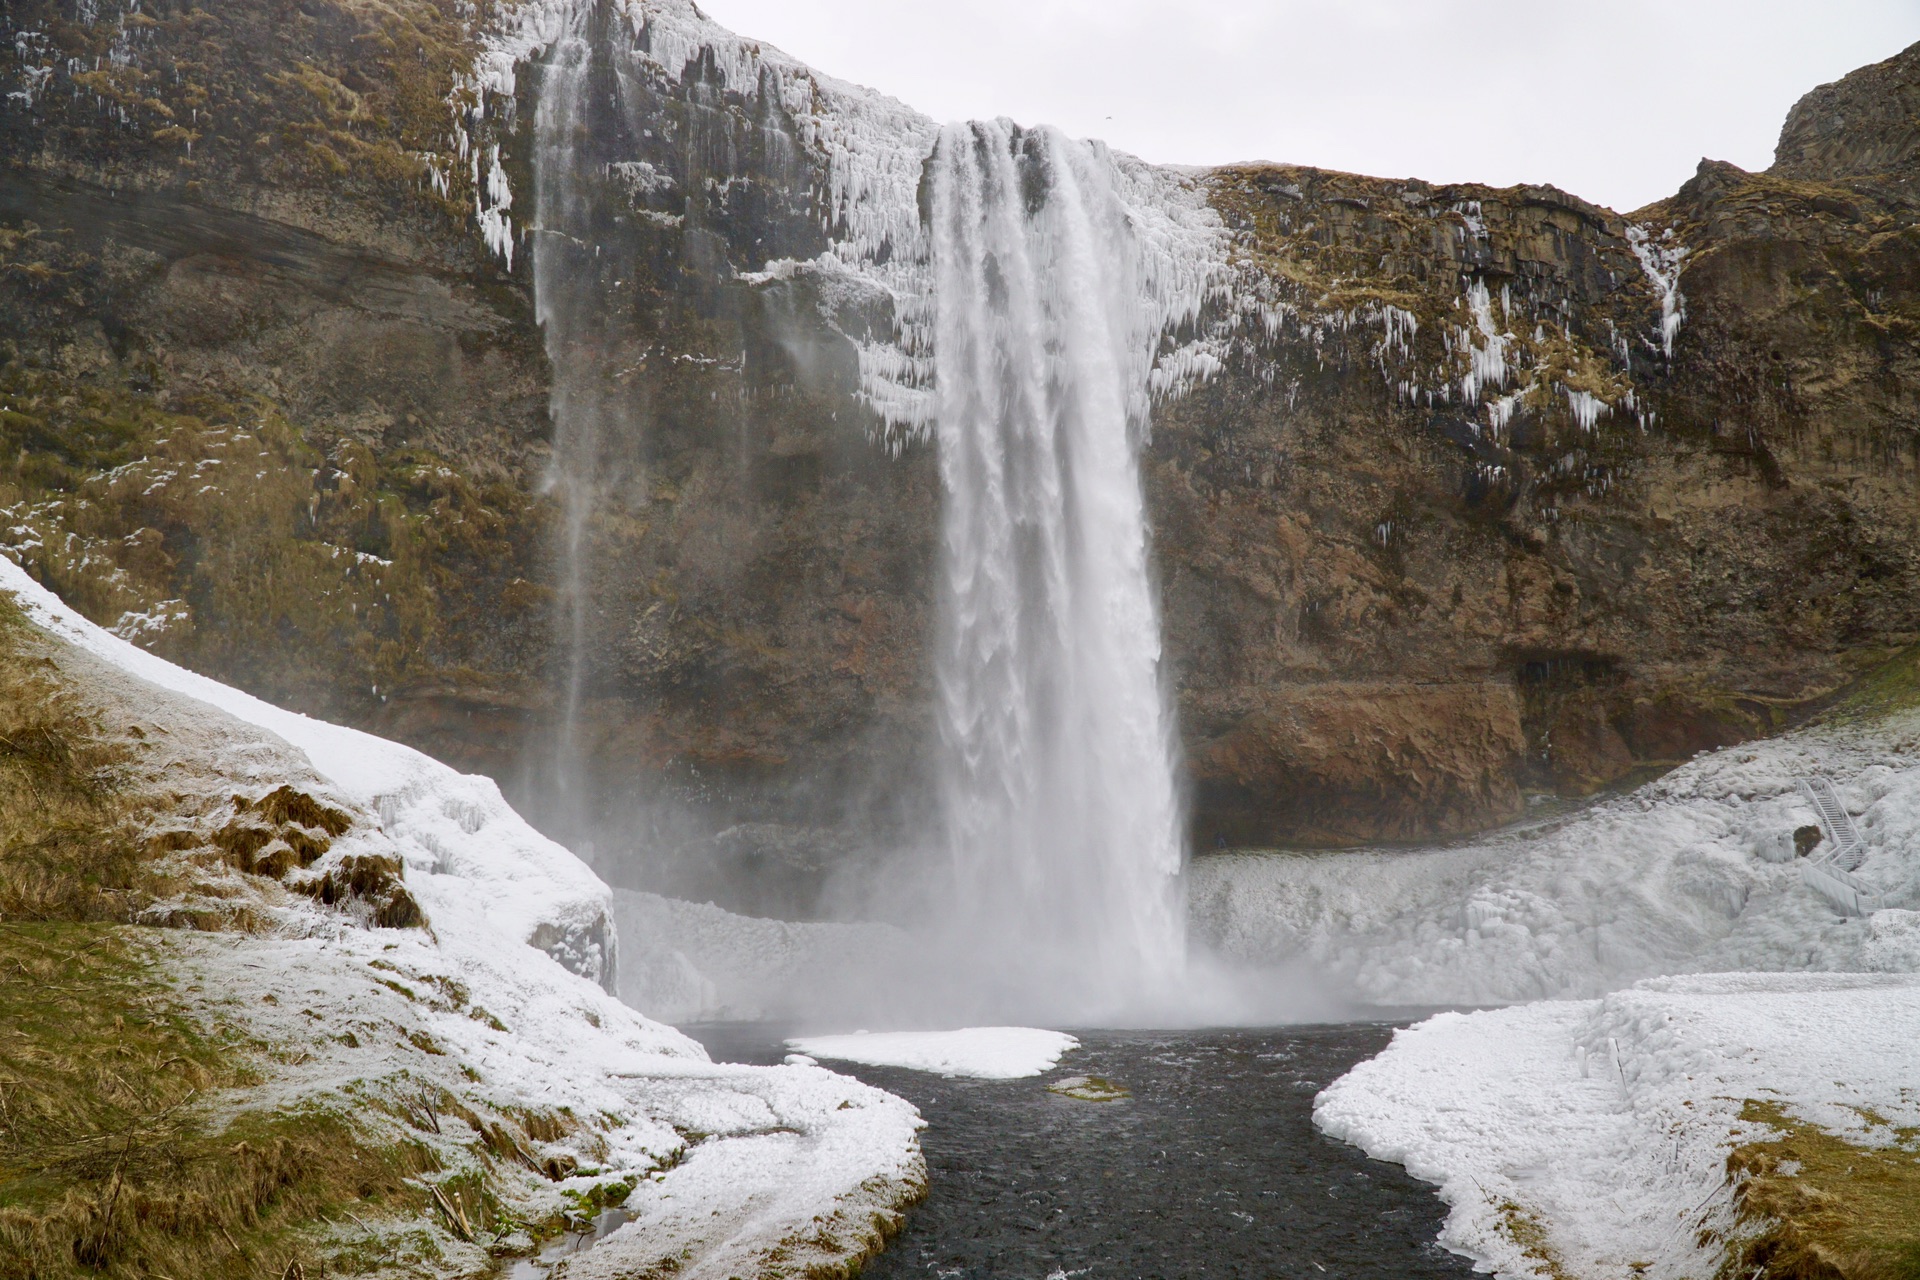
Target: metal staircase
<point x="1830" y="874"/>
<point x="1847" y="847"/>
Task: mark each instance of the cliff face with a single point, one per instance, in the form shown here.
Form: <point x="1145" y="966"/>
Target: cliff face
<point x="1497" y="492"/>
<point x="267" y="403"/>
<point x="1397" y="609"/>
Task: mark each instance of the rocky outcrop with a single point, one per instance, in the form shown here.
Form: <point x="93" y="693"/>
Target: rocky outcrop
<point x="1398" y="605"/>
<point x="272" y="406"/>
<point x="268" y="405"/>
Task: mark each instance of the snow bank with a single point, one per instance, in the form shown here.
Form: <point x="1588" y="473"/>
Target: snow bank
<point x="474" y="864"/>
<point x="1606" y="1124"/>
<point x="1693" y="873"/>
<point x="984" y="1053"/>
<point x="695" y="962"/>
<point x="1584" y="1137"/>
<point x="507" y="980"/>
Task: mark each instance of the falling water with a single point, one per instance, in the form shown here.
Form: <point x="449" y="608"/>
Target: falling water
<point x="580" y="259"/>
<point x="1062" y="816"/>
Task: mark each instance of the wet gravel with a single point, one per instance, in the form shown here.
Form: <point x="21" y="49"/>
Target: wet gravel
<point x="1212" y="1168"/>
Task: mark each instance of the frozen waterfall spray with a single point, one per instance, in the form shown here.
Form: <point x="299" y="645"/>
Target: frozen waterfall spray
<point x="1063" y="820"/>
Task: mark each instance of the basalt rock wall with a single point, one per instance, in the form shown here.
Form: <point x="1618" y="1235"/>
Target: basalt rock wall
<point x="272" y="406"/>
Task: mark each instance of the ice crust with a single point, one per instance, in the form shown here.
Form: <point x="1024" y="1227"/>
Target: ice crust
<point x="1692" y="873"/>
<point x="1608" y="1122"/>
<point x="525" y="929"/>
<point x="984" y="1053"/>
<point x="694" y="962"/>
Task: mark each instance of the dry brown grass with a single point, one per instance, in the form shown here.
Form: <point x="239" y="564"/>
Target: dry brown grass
<point x="1824" y="1208"/>
<point x="109" y="1165"/>
<point x="67" y="827"/>
<point x="111" y="1161"/>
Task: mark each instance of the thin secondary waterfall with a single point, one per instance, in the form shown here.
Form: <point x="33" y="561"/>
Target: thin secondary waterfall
<point x="1063" y="819"/>
<point x="579" y="262"/>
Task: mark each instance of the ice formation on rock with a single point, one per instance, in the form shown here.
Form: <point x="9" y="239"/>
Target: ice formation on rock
<point x="871" y="151"/>
<point x="1661" y="258"/>
<point x="1692" y="873"/>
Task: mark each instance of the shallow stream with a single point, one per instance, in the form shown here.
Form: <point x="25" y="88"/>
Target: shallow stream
<point x="1211" y="1168"/>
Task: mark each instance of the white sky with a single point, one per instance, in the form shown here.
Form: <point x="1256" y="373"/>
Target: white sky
<point x="1613" y="101"/>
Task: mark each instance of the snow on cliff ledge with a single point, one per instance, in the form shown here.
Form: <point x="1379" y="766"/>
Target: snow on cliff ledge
<point x="789" y="1154"/>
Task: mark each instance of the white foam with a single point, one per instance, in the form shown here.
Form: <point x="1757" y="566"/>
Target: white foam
<point x="694" y="962"/>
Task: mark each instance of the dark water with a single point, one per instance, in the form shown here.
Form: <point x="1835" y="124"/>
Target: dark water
<point x="1211" y="1169"/>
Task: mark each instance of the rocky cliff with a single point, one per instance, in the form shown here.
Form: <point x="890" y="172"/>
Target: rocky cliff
<point x="1525" y="496"/>
<point x="1490" y="493"/>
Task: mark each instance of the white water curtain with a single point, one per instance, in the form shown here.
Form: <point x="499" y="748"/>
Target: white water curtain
<point x="1063" y="820"/>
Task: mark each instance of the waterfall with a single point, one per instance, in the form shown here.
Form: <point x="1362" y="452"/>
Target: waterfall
<point x="1039" y="287"/>
<point x="580" y="260"/>
<point x="1063" y="820"/>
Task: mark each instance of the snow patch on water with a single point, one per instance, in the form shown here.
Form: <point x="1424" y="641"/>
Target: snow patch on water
<point x="983" y="1053"/>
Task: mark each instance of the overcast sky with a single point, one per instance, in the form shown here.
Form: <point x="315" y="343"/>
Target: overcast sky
<point x="1614" y="101"/>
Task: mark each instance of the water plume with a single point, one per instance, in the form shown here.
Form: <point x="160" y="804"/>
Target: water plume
<point x="1063" y="823"/>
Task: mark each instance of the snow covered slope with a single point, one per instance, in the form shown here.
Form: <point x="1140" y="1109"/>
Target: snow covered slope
<point x="1692" y="873"/>
<point x="498" y="1000"/>
<point x="1590" y="1138"/>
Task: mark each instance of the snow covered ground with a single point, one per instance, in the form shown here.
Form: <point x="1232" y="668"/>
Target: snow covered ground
<point x="501" y="999"/>
<point x="1679" y="966"/>
<point x="1593" y="1135"/>
<point x="984" y="1053"/>
<point x="1692" y="873"/>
